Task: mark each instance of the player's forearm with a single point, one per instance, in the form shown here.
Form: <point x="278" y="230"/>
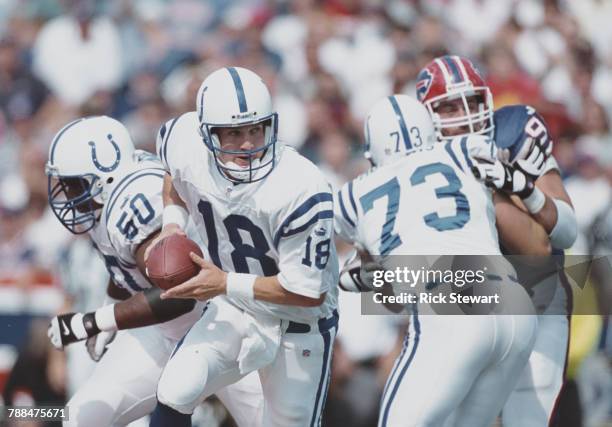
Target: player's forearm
<point x="518" y="231"/>
<point x="547" y="216"/>
<point x="556" y="214"/>
<point x="146" y="308"/>
<point x="115" y="292"/>
<point x="560" y="218"/>
<point x="169" y="194"/>
<point x="143" y="309"/>
<point x="269" y="289"/>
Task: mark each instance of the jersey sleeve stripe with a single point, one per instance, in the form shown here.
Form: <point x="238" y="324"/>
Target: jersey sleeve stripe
<point x="301" y="210"/>
<point x="164" y="158"/>
<point x="343" y="210"/>
<point x="319" y="215"/>
<point x="125" y="264"/>
<point x="123" y="184"/>
<point x="115" y="197"/>
<point x="465" y="153"/>
<point x="352" y="198"/>
<point x="451" y="153"/>
<point x="162" y="132"/>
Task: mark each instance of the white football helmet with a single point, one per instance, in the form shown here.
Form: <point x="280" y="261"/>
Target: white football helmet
<point x="87" y="158"/>
<point x="233" y="97"/>
<point x="395" y="126"/>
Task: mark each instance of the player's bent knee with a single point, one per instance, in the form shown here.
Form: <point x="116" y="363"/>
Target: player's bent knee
<point x="290" y="412"/>
<point x="87" y="409"/>
<point x="182" y="389"/>
<point x="287" y="418"/>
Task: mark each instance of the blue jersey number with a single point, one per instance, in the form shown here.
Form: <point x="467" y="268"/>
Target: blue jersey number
<point x="391" y="190"/>
<point x="449" y="191"/>
<point x="142" y="210"/>
<point x="321" y="255"/>
<point x="234" y="224"/>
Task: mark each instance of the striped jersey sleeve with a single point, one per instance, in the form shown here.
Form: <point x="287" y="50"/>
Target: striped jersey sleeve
<point x="162" y="142"/>
<point x="134" y="211"/>
<point x="304" y="241"/>
<point x="345" y="212"/>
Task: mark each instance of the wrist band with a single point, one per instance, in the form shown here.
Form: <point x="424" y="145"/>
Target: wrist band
<point x="563" y="235"/>
<point x="240" y="285"/>
<point x="175" y="214"/>
<point x="105" y="318"/>
<point x="77" y="326"/>
<point x="535" y="201"/>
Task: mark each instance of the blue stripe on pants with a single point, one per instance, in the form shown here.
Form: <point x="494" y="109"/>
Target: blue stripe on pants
<point x="323" y="381"/>
<point x="393" y="386"/>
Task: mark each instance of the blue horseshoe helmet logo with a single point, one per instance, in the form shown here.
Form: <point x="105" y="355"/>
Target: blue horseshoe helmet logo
<point x="94" y="156"/>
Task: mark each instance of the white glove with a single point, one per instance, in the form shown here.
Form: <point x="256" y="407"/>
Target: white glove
<point x="493" y="173"/>
<point x="531" y="158"/>
<point x="501" y="177"/>
<point x="98" y="344"/>
<point x="480" y="146"/>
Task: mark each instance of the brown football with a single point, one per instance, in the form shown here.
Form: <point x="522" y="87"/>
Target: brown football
<point x="169" y="263"/>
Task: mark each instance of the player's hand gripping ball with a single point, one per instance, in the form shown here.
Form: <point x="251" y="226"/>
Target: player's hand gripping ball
<point x="169" y="263"/>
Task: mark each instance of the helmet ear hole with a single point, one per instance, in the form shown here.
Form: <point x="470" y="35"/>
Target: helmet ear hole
<point x="110" y="180"/>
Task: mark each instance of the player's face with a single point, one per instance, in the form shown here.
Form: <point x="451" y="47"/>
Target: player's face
<point x="75" y="187"/>
<point x="243" y="138"/>
<point x="455" y="109"/>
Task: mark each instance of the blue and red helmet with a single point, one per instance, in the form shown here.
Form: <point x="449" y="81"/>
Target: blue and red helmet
<point x="451" y="78"/>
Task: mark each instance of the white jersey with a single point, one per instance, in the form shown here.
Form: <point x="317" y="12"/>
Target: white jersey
<point x="132" y="214"/>
<point x="426" y="203"/>
<point x="281" y="225"/>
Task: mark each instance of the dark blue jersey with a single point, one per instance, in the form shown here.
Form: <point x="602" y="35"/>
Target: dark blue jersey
<point x="514" y="124"/>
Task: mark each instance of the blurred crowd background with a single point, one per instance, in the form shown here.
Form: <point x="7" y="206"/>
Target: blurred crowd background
<point x="326" y="63"/>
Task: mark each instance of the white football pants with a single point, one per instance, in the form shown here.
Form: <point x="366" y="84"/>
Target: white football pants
<point x="122" y="386"/>
<point x="533" y="400"/>
<point x="456" y="370"/>
<point x="294" y="384"/>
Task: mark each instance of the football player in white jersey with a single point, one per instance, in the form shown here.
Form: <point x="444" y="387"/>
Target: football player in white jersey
<point x="422" y="198"/>
<point x="98" y="184"/>
<point x="265" y="214"/>
<point x="461" y="104"/>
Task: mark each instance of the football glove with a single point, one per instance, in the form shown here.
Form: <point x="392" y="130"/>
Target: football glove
<point x="488" y="169"/>
<point x="498" y="176"/>
<point x="357" y="275"/>
<point x="531" y="158"/>
<point x="98" y="344"/>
